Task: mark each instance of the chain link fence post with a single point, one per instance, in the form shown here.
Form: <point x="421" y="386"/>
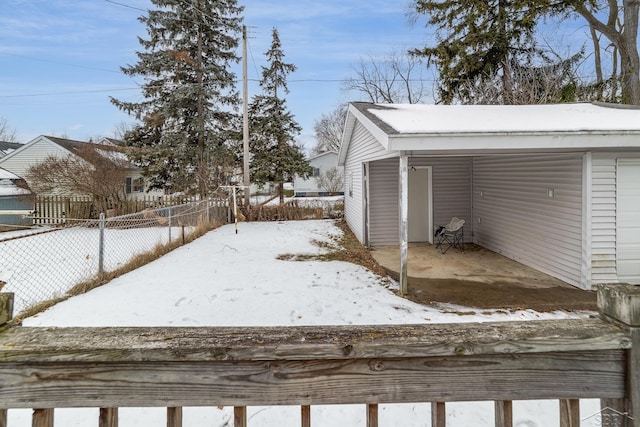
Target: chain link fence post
<point x="101" y="246"/>
<point x="169" y="223"/>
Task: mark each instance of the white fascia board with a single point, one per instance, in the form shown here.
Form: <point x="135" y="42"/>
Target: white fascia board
<point x="514" y="142"/>
<point x="381" y="136"/>
<point x="353" y="116"/>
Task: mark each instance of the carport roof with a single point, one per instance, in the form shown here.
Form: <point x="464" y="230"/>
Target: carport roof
<point x="442" y="129"/>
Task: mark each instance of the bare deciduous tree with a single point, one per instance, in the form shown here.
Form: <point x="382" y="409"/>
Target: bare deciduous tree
<point x="328" y="130"/>
<point x="331" y="181"/>
<point x="397" y="78"/>
<point x="100" y="173"/>
<point x="7" y="133"/>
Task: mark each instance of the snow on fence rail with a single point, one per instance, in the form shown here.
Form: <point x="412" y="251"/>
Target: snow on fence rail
<point x="44" y="265"/>
<point x="110" y="368"/>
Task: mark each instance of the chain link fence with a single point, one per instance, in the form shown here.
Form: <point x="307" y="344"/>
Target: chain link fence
<point x="45" y="263"/>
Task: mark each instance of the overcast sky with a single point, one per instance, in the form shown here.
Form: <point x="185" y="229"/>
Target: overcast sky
<point x="60" y="59"/>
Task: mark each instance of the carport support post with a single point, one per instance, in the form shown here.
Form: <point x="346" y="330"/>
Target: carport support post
<point x="404" y="222"/>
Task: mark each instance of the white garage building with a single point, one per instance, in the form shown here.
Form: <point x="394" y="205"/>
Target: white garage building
<point x="555" y="187"/>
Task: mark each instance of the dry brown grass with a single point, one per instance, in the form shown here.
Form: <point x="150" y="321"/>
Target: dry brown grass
<point x="346" y="248"/>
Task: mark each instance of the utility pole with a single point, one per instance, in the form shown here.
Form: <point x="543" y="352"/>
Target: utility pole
<point x="245" y="120"/>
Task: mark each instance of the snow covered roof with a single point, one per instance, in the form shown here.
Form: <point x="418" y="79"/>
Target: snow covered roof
<point x="8" y="186"/>
<point x="444" y="129"/>
<point x="429" y="119"/>
<point x="5" y="174"/>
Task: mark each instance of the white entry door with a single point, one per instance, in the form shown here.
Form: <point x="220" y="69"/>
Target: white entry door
<point x="420" y="222"/>
<point x="628" y="224"/>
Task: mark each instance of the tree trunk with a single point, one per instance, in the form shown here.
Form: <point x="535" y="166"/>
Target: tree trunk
<point x="630" y="61"/>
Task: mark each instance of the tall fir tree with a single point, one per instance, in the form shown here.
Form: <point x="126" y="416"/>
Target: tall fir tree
<point x="477" y="40"/>
<point x="189" y="111"/>
<point x="275" y="155"/>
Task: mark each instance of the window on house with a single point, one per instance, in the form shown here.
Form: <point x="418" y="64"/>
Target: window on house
<point x="350" y="184"/>
<point x="135" y="185"/>
<point x="316" y="172"/>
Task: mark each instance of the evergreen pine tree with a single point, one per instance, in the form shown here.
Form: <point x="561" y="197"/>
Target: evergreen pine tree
<point x="275" y="156"/>
<point x="478" y="40"/>
<point x="190" y="100"/>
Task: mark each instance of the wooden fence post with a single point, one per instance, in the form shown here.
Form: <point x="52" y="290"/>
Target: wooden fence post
<point x="240" y="416"/>
<point x="108" y="417"/>
<point x="42" y="418"/>
<point x="174" y="417"/>
<point x="569" y="413"/>
<point x="6" y="307"/>
<point x="620" y="303"/>
<point x="504" y="413"/>
<point x="438" y="414"/>
<point x="6" y="314"/>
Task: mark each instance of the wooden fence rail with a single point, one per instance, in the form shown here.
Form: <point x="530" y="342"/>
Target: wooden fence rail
<point x="58" y="209"/>
<point x="109" y="368"/>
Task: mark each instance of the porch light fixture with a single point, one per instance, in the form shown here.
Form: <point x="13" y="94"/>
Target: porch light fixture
<point x="550" y="193"/>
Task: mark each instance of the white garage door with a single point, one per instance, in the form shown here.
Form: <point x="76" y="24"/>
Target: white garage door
<point x="628" y="234"/>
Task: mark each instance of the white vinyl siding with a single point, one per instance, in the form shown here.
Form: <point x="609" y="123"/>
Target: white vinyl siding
<point x="321" y="164"/>
<point x="628" y="224"/>
<point x="19" y="161"/>
<point x="363" y="147"/>
<point x="451" y="195"/>
<point x="384" y="210"/>
<point x="514" y="215"/>
<point x="451" y="189"/>
<point x="603" y="218"/>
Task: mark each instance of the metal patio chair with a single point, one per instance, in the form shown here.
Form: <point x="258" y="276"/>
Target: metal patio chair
<point x="451" y="235"/>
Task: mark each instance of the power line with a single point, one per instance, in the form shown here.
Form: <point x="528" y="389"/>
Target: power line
<point x="126" y="5"/>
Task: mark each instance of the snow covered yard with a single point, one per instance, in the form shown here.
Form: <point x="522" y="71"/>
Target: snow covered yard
<point x="228" y="279"/>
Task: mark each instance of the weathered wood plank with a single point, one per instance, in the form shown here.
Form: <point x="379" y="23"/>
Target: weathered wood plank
<point x="306" y="343"/>
<point x="42" y="418"/>
<point x="620" y="302"/>
<point x="372" y="415"/>
<point x="613" y="412"/>
<point x="569" y="413"/>
<point x="6" y="307"/>
<point x="108" y="417"/>
<point x="174" y="417"/>
<point x="3" y="418"/>
<point x="305" y="413"/>
<point x="240" y="416"/>
<point x="504" y="413"/>
<point x="438" y="414"/>
<point x="634" y="377"/>
<point x="457" y="378"/>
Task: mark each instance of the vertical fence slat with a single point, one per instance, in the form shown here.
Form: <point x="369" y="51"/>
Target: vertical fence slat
<point x="240" y="416"/>
<point x="569" y="413"/>
<point x="438" y="414"/>
<point x="306" y="415"/>
<point x="42" y="418"/>
<point x="108" y="417"/>
<point x="372" y="415"/>
<point x="504" y="413"/>
<point x="634" y="377"/>
<point x="3" y="418"/>
<point x="174" y="417"/>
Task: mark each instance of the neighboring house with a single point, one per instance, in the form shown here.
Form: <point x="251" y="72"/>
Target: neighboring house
<point x="16" y="202"/>
<point x="37" y="150"/>
<point x="554" y="187"/>
<point x="320" y="164"/>
<point x="8" y="147"/>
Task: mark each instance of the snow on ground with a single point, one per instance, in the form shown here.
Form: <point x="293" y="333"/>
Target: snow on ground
<point x="228" y="279"/>
<point x="43" y="266"/>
